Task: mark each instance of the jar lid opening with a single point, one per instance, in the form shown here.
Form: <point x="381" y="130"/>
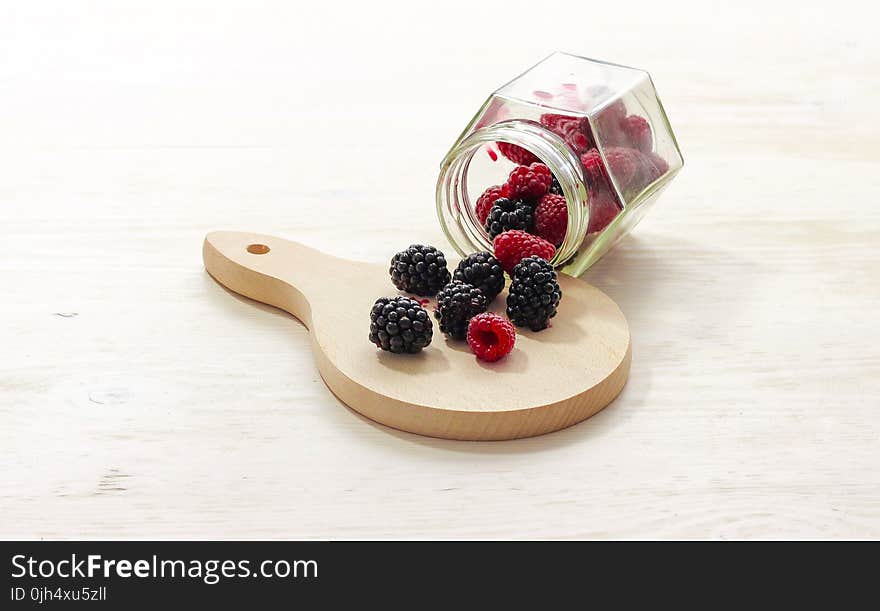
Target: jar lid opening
<point x="457" y="212"/>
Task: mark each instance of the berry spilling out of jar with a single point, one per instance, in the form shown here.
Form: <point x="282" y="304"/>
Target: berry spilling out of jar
<point x="513" y="246"/>
<point x="401" y="325"/>
<point x="490" y="336"/>
<point x="531" y="199"/>
<point x="534" y="294"/>
<point x="573" y="151"/>
<point x="601" y="128"/>
<point x="457" y="303"/>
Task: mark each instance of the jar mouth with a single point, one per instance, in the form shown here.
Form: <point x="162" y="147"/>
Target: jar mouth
<point x="457" y="212"/>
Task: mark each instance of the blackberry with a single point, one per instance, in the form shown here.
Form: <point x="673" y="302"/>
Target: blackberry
<point x="400" y="325"/>
<point x="419" y="269"/>
<point x="555" y="187"/>
<point x="534" y="294"/>
<point x="483" y="271"/>
<point x="457" y="303"/>
<point x="507" y="214"/>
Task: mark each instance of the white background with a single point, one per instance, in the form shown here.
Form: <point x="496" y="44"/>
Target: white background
<point x="140" y="399"/>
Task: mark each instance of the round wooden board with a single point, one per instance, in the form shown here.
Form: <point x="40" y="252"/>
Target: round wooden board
<point x="552" y="379"/>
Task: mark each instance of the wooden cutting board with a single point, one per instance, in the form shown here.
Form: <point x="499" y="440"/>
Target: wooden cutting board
<point x="552" y="379"/>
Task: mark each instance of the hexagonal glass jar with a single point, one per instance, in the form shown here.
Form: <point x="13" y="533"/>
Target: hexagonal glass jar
<point x="601" y="130"/>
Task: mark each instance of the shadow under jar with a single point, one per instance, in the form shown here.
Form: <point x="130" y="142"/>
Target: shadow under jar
<point x="601" y="130"/>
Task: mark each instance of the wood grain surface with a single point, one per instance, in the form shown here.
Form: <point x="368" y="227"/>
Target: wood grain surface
<point x="138" y="398"/>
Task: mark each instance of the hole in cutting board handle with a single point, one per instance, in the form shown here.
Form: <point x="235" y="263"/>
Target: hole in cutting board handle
<point x="258" y="249"/>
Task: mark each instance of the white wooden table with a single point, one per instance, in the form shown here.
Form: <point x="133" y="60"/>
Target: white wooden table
<point x="139" y="399"/>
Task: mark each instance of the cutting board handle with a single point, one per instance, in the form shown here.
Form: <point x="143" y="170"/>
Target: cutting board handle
<point x="281" y="273"/>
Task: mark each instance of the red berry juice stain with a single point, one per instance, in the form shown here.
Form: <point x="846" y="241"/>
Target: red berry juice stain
<point x="569" y="86"/>
<point x="492" y="154"/>
<point x="543" y="95"/>
<point x="424" y="302"/>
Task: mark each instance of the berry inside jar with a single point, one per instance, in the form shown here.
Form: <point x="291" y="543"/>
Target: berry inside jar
<point x="570" y="154"/>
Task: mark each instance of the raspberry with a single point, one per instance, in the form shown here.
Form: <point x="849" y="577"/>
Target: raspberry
<point x="517" y="154"/>
<point x="626" y="166"/>
<point x="534" y="294"/>
<point x="419" y="269"/>
<point x="603" y="201"/>
<point x="483" y="271"/>
<point x="600" y="95"/>
<point x="608" y="125"/>
<point x="574" y="130"/>
<point x="485" y="201"/>
<point x="603" y="209"/>
<point x="594" y="168"/>
<point x="551" y="218"/>
<point x="511" y="247"/>
<point x="529" y="182"/>
<point x="639" y="133"/>
<point x="650" y="172"/>
<point x="659" y="163"/>
<point x="507" y="214"/>
<point x="565" y="125"/>
<point x="559" y="124"/>
<point x="633" y="170"/>
<point x="490" y="336"/>
<point x="400" y="325"/>
<point x="456" y="304"/>
<point x="578" y="142"/>
<point x="616" y="111"/>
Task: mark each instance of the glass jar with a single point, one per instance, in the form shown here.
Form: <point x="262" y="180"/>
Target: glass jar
<point x="600" y="129"/>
